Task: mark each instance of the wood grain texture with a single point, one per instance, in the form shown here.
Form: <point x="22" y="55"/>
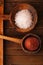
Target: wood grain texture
<point x="1" y="32"/>
<point x="24" y="1"/>
<point x="14" y="55"/>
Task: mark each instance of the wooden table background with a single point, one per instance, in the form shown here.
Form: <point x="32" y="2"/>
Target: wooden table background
<point x="13" y="53"/>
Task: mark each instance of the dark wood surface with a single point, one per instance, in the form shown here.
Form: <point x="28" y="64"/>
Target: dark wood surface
<point x="13" y="53"/>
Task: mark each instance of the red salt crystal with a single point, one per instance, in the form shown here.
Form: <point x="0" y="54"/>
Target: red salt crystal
<point x="31" y="43"/>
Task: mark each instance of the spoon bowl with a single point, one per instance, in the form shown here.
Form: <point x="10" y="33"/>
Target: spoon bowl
<point x="32" y="38"/>
<point x="31" y="9"/>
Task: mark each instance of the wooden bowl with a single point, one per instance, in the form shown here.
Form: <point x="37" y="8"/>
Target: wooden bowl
<point x="27" y="50"/>
<point x="23" y="6"/>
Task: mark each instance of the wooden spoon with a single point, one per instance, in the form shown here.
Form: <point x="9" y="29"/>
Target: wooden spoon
<point x="16" y="40"/>
<point x="21" y="41"/>
<point x="17" y="8"/>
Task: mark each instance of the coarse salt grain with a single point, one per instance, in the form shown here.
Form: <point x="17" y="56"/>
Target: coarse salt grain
<point x="23" y="19"/>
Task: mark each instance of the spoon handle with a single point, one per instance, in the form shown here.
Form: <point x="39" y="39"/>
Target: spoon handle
<point x="5" y="17"/>
<point x="16" y="40"/>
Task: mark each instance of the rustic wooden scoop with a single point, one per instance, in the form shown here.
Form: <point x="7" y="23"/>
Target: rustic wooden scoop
<point x="17" y="8"/>
<point x="21" y="41"/>
<point x="17" y="40"/>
